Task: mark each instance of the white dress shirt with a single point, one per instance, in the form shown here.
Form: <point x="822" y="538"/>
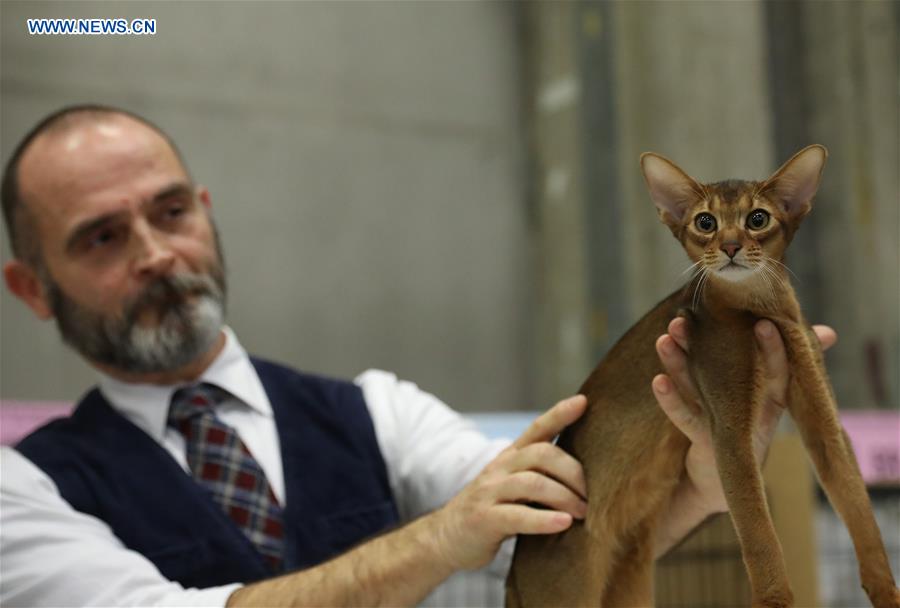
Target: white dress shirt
<point x="53" y="555"/>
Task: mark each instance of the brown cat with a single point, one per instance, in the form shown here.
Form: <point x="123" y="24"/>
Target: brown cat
<point x="736" y="232"/>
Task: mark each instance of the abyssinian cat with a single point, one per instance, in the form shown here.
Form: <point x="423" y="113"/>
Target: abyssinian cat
<point x="736" y="233"/>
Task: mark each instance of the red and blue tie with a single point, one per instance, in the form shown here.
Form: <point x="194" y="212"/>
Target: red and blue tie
<point x="220" y="462"/>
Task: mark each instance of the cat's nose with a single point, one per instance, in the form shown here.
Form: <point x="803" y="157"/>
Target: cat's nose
<point x="730" y="248"/>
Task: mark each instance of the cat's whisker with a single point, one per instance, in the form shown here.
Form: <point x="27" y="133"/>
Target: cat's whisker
<point x="773" y="272"/>
<point x="766" y="270"/>
<point x="783" y="265"/>
<point x="704" y="284"/>
<point x="693" y="267"/>
<point x="767" y="275"/>
<point x="704" y="276"/>
<point x="694" y="295"/>
<point x="698" y="290"/>
<point x="778" y="279"/>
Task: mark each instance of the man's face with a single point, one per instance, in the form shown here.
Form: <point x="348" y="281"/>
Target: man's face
<point x="131" y="267"/>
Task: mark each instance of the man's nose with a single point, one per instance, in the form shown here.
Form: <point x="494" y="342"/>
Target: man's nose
<point x="155" y="257"/>
<point x="730" y="248"/>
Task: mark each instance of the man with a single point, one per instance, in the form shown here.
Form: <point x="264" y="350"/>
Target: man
<point x="112" y="238"/>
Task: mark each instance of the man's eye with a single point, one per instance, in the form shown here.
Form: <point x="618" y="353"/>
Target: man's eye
<point x="102" y="238"/>
<point x="174" y="211"/>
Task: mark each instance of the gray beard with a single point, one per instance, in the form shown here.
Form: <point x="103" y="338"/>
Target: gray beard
<point x="188" y="312"/>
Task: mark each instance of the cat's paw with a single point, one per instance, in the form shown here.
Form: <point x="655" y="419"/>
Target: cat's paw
<point x="775" y="601"/>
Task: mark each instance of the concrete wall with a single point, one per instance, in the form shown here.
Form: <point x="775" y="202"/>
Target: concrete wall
<point x="726" y="90"/>
<point x="365" y="165"/>
<point x="557" y="118"/>
<point x="851" y="75"/>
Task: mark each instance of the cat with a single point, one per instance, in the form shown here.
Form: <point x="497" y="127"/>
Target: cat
<point x="736" y="233"/>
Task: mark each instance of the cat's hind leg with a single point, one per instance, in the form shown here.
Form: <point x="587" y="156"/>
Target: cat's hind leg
<point x="631" y="582"/>
<point x="575" y="576"/>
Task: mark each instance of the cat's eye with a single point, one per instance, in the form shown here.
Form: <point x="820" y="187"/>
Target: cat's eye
<point x="705" y="222"/>
<point x="758" y="220"/>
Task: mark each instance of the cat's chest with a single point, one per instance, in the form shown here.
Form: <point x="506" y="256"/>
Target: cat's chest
<point x="722" y="343"/>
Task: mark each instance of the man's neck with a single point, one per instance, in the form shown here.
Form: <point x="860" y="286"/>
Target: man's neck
<point x="183" y="375"/>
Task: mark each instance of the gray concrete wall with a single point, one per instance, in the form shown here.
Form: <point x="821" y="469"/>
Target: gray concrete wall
<point x="851" y="67"/>
<point x="726" y="90"/>
<point x="365" y="166"/>
<point x="557" y="115"/>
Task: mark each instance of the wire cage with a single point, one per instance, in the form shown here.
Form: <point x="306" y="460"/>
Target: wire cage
<point x="839" y="585"/>
<point x="707" y="569"/>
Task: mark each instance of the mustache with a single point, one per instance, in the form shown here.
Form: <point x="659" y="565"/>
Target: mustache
<point x="171" y="293"/>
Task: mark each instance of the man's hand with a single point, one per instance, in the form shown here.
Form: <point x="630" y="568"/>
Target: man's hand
<point x="495" y="505"/>
<point x="464" y="534"/>
<point x="678" y="398"/>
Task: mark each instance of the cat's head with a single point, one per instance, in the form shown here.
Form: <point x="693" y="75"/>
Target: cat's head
<point x="732" y="228"/>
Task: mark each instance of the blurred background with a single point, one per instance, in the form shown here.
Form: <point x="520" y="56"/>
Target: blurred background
<point x="450" y="190"/>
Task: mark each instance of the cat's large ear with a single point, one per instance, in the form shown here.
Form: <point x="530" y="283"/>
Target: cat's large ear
<point x="673" y="191"/>
<point x="795" y="183"/>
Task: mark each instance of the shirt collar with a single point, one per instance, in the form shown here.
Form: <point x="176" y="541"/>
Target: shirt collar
<point x="147" y="405"/>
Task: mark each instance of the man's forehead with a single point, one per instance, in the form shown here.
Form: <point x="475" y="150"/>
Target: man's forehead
<point x="110" y="134"/>
<point x="91" y="155"/>
<point x="73" y="139"/>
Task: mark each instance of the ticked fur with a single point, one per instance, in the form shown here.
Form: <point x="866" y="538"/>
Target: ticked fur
<point x="736" y="233"/>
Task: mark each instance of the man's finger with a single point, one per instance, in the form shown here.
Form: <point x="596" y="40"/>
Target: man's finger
<point x="521" y="519"/>
<point x="532" y="487"/>
<point x="551" y="423"/>
<point x="549" y="460"/>
<point x="685" y="418"/>
<point x="679" y="332"/>
<point x="674" y="361"/>
<point x="775" y="363"/>
<point x="827" y="336"/>
<point x="765" y="428"/>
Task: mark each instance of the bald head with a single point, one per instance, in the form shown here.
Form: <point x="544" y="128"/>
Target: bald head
<point x="66" y="134"/>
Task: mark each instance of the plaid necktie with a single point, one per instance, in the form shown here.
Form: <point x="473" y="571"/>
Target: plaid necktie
<point x="220" y="461"/>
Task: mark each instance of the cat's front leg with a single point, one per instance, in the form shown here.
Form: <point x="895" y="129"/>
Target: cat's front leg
<point x="733" y="402"/>
<point x="743" y="485"/>
<point x="813" y="408"/>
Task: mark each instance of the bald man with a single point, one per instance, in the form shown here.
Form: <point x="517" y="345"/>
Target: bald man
<point x="368" y="492"/>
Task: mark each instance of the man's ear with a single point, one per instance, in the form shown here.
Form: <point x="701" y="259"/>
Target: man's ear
<point x="795" y="183"/>
<point x="204" y="196"/>
<point x="23" y="281"/>
<point x="673" y="191"/>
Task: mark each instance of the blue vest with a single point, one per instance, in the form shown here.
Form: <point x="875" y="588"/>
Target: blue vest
<point x="336" y="483"/>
